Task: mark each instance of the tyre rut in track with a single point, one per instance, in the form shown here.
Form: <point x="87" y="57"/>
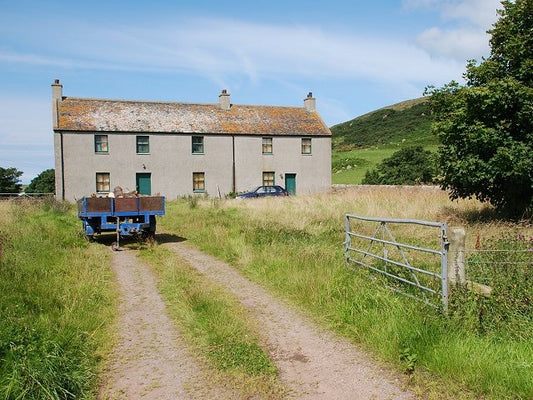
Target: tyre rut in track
<point x="150" y="359"/>
<point x="314" y="363"/>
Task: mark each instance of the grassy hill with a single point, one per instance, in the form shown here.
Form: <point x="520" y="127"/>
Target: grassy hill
<point x="363" y="142"/>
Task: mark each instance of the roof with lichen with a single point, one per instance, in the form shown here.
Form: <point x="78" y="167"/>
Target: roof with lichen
<point x="99" y="115"/>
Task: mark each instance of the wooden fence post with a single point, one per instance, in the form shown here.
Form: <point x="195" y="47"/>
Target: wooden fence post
<point x="456" y="263"/>
<point x="456" y="256"/>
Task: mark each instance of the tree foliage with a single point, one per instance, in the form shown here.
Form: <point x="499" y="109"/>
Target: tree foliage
<point x="410" y="165"/>
<point x="10" y="180"/>
<point x="486" y="125"/>
<point x="43" y="183"/>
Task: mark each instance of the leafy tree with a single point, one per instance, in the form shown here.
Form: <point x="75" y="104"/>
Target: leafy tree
<point x="9" y="180"/>
<point x="486" y="126"/>
<point x="410" y="165"/>
<point x="42" y="183"/>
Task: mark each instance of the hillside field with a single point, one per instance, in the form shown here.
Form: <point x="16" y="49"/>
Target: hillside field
<point x="363" y="142"/>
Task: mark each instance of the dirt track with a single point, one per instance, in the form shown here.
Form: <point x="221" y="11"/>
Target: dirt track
<point x="151" y="362"/>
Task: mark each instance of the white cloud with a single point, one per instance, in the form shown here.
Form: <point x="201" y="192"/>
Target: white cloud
<point x="464" y="36"/>
<point x="461" y="43"/>
<point x="481" y="13"/>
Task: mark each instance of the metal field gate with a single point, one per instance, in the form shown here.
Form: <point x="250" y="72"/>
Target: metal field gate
<point x="410" y="255"/>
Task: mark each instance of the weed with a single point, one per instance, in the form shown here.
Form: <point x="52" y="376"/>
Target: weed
<point x="193" y="201"/>
<point x="409" y="359"/>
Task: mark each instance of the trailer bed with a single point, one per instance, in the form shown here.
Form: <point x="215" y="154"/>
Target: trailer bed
<point x="125" y="215"/>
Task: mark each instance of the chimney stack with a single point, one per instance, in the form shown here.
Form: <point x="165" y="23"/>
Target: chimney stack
<point x="57" y="90"/>
<point x="224" y="100"/>
<point x="57" y="96"/>
<point x="310" y="102"/>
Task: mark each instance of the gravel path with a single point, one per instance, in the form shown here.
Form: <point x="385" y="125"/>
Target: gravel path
<point x="315" y="364"/>
<point x="149" y="360"/>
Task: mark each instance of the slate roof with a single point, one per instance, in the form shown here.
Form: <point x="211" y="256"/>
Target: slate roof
<point x="101" y="115"/>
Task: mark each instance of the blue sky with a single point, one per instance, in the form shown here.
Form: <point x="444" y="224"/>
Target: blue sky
<point x="355" y="56"/>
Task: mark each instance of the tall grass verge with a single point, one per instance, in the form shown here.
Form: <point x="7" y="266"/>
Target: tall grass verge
<point x="56" y="303"/>
<point x="216" y="325"/>
<point x="294" y="246"/>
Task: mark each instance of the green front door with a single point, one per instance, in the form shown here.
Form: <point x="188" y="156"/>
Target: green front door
<point x="143" y="182"/>
<point x="290" y="183"/>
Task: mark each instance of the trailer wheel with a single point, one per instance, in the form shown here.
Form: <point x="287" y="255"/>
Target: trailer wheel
<point x="149" y="233"/>
<point x="153" y="224"/>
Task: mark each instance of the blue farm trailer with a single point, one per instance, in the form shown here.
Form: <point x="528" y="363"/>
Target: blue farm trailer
<point x="125" y="216"/>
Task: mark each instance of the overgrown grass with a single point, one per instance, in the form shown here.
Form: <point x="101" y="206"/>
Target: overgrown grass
<point x="56" y="304"/>
<point x="217" y="326"/>
<point x="294" y="247"/>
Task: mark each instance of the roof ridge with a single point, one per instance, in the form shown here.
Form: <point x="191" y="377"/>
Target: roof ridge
<point x="134" y="101"/>
<point x="172" y="102"/>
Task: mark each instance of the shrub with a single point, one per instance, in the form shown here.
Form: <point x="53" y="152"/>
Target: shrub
<point x="410" y="165"/>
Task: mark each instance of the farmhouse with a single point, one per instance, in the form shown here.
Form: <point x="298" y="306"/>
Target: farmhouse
<point x="178" y="149"/>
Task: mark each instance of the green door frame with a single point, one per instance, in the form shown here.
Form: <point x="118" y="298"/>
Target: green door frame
<point x="143" y="183"/>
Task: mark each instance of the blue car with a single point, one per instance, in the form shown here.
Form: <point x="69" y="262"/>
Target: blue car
<point x="263" y="191"/>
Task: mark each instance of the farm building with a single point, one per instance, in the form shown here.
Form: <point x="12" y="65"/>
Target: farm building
<point x="178" y="149"/>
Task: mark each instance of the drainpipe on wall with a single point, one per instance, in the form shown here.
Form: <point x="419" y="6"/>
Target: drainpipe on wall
<point x="233" y="183"/>
<point x="62" y="167"/>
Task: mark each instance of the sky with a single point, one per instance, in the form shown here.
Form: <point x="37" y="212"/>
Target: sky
<point x="354" y="56"/>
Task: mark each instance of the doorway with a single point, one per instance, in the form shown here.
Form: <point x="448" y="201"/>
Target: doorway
<point x="290" y="183"/>
<point x="143" y="183"/>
